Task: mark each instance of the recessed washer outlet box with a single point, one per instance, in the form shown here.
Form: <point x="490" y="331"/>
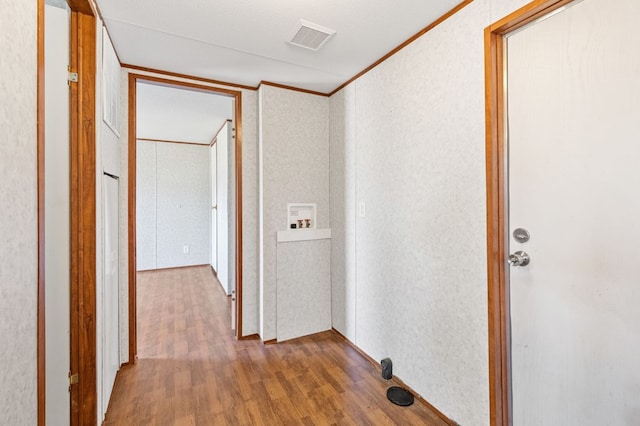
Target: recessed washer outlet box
<point x="310" y="36"/>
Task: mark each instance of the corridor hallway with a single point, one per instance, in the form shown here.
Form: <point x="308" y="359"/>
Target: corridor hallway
<point x="192" y="371"/>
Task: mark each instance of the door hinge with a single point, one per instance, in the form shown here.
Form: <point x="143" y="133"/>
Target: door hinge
<point x="73" y="379"/>
<point x="73" y="77"/>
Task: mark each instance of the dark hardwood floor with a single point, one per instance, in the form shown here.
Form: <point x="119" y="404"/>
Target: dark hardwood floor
<point x="192" y="371"/>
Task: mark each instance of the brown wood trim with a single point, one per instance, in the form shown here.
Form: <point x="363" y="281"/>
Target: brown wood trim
<point x="74" y="223"/>
<point x="83" y="219"/>
<point x="41" y="349"/>
<point x="131" y="226"/>
<point x="295" y="89"/>
<point x="160" y="81"/>
<point x="185" y="76"/>
<point x="169" y="141"/>
<point x="403" y="45"/>
<point x="497" y="286"/>
<point x="525" y="15"/>
<point x="423" y="401"/>
<point x="81" y="6"/>
<point x="376" y="366"/>
<point x="497" y="244"/>
<point x="270" y="342"/>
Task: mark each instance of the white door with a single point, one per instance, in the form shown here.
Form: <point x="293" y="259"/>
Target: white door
<point x="222" y="200"/>
<point x="574" y="185"/>
<point x="214" y="206"/>
<point x="110" y="298"/>
<point x="57" y="261"/>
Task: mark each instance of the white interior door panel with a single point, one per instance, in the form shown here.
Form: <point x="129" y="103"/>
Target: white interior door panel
<point x="573" y="179"/>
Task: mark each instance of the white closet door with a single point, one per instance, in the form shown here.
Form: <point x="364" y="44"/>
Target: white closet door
<point x="110" y="299"/>
<point x="57" y="279"/>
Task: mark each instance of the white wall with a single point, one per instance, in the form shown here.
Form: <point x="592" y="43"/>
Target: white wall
<point x="407" y="139"/>
<point x="250" y="289"/>
<point x="303" y="295"/>
<point x="18" y="213"/>
<point x="146" y="209"/>
<point x="179" y="214"/>
<point x="295" y="169"/>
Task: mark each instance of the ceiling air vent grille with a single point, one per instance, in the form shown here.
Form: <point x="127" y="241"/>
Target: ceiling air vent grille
<point x="310" y="35"/>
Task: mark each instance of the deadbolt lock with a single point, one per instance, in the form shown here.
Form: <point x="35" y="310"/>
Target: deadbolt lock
<point x="521" y="235"/>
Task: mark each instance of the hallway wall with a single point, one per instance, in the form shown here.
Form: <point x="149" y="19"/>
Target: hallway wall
<point x="408" y="140"/>
<point x="295" y="169"/>
<point x="18" y="213"/>
<point x="173" y="205"/>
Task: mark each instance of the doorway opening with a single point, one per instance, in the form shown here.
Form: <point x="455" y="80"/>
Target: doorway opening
<point x="184" y="250"/>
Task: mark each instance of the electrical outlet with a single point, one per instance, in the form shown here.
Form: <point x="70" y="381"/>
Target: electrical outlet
<point x="361" y="209"/>
<point x="185" y="249"/>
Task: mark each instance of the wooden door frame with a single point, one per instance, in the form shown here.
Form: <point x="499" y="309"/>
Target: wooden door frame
<point x="497" y="214"/>
<point x="237" y="96"/>
<point x="82" y="101"/>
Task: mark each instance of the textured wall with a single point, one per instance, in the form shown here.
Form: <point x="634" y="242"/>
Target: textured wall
<point x="250" y="306"/>
<point x="295" y="150"/>
<point x="146" y="199"/>
<point x="181" y="207"/>
<point x="411" y="131"/>
<point x="343" y="211"/>
<point x="18" y="213"/>
<point x="304" y="288"/>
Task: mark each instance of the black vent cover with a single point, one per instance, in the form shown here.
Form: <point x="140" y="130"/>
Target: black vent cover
<point x="399" y="396"/>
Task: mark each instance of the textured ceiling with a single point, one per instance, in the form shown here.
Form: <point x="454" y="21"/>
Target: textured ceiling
<point x="245" y="41"/>
<point x="179" y="114"/>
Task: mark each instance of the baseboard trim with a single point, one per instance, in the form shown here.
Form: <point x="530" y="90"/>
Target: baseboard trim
<point x="395" y="378"/>
<point x="254" y="336"/>
<point x="174" y="267"/>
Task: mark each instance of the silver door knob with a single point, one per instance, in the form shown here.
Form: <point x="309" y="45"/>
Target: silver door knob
<point x="519" y="258"/>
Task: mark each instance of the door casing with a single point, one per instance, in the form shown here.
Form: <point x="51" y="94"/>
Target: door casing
<point x="83" y="218"/>
<point x="497" y="215"/>
<point x="237" y="95"/>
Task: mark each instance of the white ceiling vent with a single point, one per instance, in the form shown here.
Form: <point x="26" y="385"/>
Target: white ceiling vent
<point x="310" y="35"/>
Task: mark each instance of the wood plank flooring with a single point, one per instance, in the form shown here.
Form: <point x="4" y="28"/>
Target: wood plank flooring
<point x="192" y="371"/>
